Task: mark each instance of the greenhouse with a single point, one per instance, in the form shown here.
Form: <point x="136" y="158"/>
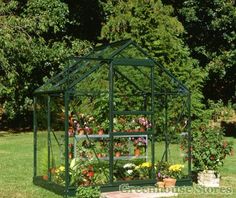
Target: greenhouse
<point x="112" y="117"/>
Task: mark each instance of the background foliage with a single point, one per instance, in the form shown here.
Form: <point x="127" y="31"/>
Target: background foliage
<point x="195" y="40"/>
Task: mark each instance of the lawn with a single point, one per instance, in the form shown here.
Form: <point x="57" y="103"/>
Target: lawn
<point x="16" y="169"/>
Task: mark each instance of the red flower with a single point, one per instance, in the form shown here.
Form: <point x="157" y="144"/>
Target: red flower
<point x="90" y="174"/>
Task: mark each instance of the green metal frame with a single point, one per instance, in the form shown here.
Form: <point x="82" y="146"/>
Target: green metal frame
<point x="63" y="84"/>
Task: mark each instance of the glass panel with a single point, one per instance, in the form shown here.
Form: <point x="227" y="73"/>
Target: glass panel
<point x="132" y="88"/>
<point x="42" y="135"/>
<point x="172" y="135"/>
<point x="131" y="158"/>
<point x="89" y="141"/>
<point x="54" y="82"/>
<point x="165" y="83"/>
<point x="57" y="140"/>
<point x="96" y="82"/>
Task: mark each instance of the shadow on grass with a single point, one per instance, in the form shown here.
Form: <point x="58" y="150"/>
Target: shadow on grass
<point x="229" y="128"/>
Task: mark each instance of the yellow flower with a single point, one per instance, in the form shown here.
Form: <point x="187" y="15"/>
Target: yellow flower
<point x="61" y="168"/>
<point x="176" y="167"/>
<point x="146" y="165"/>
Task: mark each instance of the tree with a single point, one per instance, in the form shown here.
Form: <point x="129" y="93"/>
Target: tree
<point x="33" y="46"/>
<point x="151" y="24"/>
<point x="211" y="35"/>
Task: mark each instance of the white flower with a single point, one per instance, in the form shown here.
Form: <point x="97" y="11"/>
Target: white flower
<point x="129" y="165"/>
<point x="130" y="172"/>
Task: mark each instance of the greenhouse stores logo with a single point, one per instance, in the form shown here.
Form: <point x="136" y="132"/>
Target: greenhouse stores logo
<point x="125" y="188"/>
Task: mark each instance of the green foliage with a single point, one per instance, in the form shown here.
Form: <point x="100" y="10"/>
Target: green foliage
<point x="33" y="48"/>
<point x="88" y="192"/>
<point x="36" y="36"/>
<point x="211" y="35"/>
<point x="209" y="149"/>
<point x="151" y="24"/>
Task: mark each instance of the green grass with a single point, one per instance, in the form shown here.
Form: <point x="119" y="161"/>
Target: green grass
<point x="16" y="169"/>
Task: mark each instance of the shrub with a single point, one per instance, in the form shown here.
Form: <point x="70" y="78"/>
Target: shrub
<point x="209" y="149"/>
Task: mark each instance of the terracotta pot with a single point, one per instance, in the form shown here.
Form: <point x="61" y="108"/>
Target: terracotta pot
<point x="142" y="129"/>
<point x="70" y="131"/>
<point x="169" y="182"/>
<point x="45" y="177"/>
<point x="137" y="152"/>
<point x="128" y="178"/>
<point x="100" y="132"/>
<point x="99" y="155"/>
<point x="118" y="154"/>
<point x="160" y="184"/>
<point x="70" y="155"/>
<point x="81" y="131"/>
<point x="89" y="131"/>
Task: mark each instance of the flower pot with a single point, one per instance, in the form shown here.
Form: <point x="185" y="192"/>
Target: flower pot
<point x="208" y="178"/>
<point x="89" y="131"/>
<point x="99" y="155"/>
<point x="70" y="155"/>
<point x="128" y="178"/>
<point x="70" y="132"/>
<point x="118" y="154"/>
<point x="169" y="182"/>
<point x="100" y="132"/>
<point x="137" y="152"/>
<point x="81" y="131"/>
<point x="160" y="184"/>
<point x="142" y="129"/>
<point x="45" y="177"/>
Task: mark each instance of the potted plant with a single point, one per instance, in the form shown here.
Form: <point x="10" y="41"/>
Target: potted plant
<point x="118" y="150"/>
<point x="82" y="172"/>
<point x="139" y="143"/>
<point x="144" y="124"/>
<point x="81" y="131"/>
<point x="209" y="149"/>
<point x="100" y="131"/>
<point x="129" y="171"/>
<point x="162" y="171"/>
<point x="144" y="170"/>
<point x="175" y="171"/>
<point x="59" y="175"/>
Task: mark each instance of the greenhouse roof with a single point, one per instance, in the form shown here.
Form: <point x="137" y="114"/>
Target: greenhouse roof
<point x="125" y="53"/>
